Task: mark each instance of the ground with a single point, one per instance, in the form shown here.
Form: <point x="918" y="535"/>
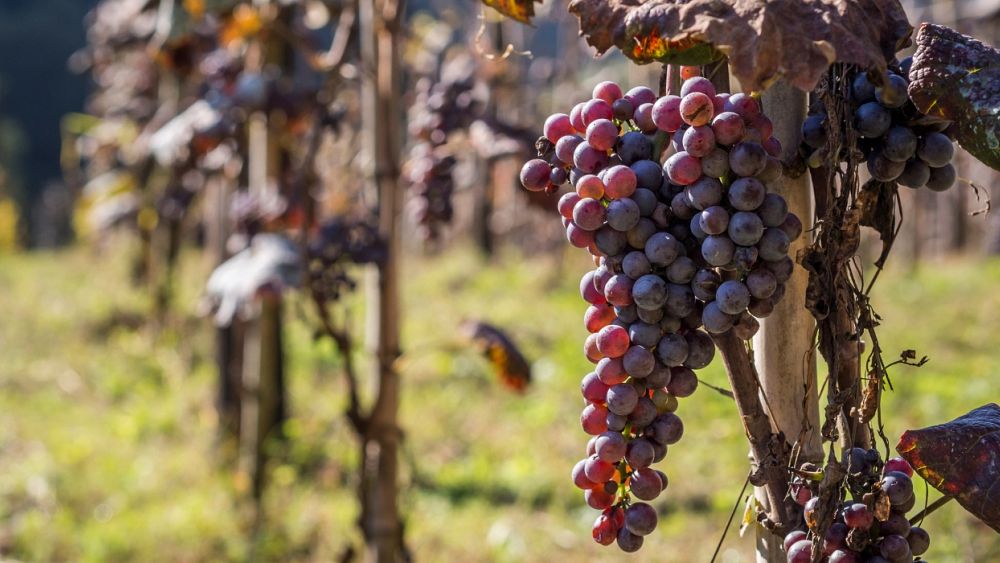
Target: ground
<point x="108" y="445"/>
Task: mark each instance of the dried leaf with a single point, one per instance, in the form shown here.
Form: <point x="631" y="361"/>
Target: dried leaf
<point x="764" y="39"/>
<point x="958" y="78"/>
<point x="882" y="508"/>
<point x="520" y="10"/>
<point x="961" y="458"/>
<point x="870" y="399"/>
<point x="877" y="201"/>
<point x="510" y="364"/>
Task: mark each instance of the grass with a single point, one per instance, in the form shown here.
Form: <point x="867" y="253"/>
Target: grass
<point x="108" y="444"/>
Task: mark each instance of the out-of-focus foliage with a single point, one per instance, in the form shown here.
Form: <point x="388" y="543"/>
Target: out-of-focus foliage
<point x="107" y="432"/>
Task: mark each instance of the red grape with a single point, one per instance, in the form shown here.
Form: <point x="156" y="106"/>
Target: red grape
<point x="535" y="175"/>
<point x="697" y="109"/>
<point x="607" y="91"/>
<point x="612" y="341"/>
<point x="602" y="134"/>
<point x="666" y="114"/>
<point x="683" y="169"/>
<point x="557" y="126"/>
<point x="620" y="182"/>
<point x="594" y="420"/>
<point x="597" y="109"/>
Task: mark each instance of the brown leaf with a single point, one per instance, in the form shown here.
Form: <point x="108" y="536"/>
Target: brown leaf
<point x="961" y="458"/>
<point x="520" y="10"/>
<point x="764" y="39"/>
<point x="958" y="78"/>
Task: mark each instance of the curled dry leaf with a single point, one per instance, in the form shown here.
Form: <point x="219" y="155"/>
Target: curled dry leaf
<point x="520" y="10"/>
<point x="958" y="78"/>
<point x="497" y="347"/>
<point x="961" y="458"/>
<point x="764" y="39"/>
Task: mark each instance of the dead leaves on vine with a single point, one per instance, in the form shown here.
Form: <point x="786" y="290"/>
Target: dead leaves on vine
<point x="764" y="39"/>
<point x="520" y="10"/>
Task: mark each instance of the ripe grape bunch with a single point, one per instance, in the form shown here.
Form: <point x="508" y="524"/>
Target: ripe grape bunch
<point x="862" y="532"/>
<point x="898" y="143"/>
<point x="693" y="246"/>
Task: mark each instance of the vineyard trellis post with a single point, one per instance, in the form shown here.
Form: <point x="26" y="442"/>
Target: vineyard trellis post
<point x="783" y="348"/>
<point x="381" y="115"/>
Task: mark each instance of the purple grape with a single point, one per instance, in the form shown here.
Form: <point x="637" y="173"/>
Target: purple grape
<point x="744" y="105"/>
<point x="701" y="350"/>
<point x="535" y="175"/>
<point x="862" y="90"/>
<point x="704" y="193"/>
<point x="732" y="297"/>
<point x="883" y="169"/>
<point x="644" y="334"/>
<point x="745" y="228"/>
<point x="745" y="257"/>
<point x="715" y="320"/>
<point x="936" y="149"/>
<point x="635" y="265"/>
<point x="640" y="453"/>
<point x="836" y="538"/>
<point x="640" y="519"/>
<point x="681" y="270"/>
<point x="942" y="178"/>
<point x="648" y="173"/>
<point x="641" y="95"/>
<point x="667" y="429"/>
<point x="623" y="109"/>
<point x="610" y="241"/>
<point x="705" y="283"/>
<point x="627" y="541"/>
<point x="761" y="283"/>
<point x="746" y="326"/>
<point x="792" y="537"/>
<point x="610" y="446"/>
<point x="681" y="207"/>
<point x="728" y="128"/>
<point x="919" y="540"/>
<point x="893" y="94"/>
<point x="773" y="245"/>
<point x="747" y="159"/>
<point x="698" y="84"/>
<point x="588" y="159"/>
<point x="713" y="220"/>
<point x="747" y="194"/>
<point x="680" y="300"/>
<point x="814" y="131"/>
<point x="672" y="350"/>
<point x="872" y="120"/>
<point x="622" y="398"/>
<point x="666" y="114"/>
<point x="662" y="249"/>
<point x="699" y="141"/>
<point x="895" y="548"/>
<point x="645" y="484"/>
<point x="792" y="227"/>
<point x="637" y="236"/>
<point x="772" y="171"/>
<point x="915" y="175"/>
<point x="623" y="214"/>
<point x="589" y="214"/>
<point x="800" y="552"/>
<point x="638" y="362"/>
<point x="899" y="144"/>
<point x="633" y="147"/>
<point x="718" y="250"/>
<point x="646" y="200"/>
<point x="695" y="227"/>
<point x="682" y="168"/>
<point x="773" y="210"/>
<point x="649" y="292"/>
<point x="898" y="486"/>
<point x="715" y="164"/>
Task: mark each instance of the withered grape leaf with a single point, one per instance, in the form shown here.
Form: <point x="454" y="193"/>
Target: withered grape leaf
<point x="764" y="39"/>
<point x="958" y="78"/>
<point x="520" y="10"/>
<point x="961" y="458"/>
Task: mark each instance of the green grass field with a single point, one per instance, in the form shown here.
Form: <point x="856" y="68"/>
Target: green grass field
<point x="107" y="426"/>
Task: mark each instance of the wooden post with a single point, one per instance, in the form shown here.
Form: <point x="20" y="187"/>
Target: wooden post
<point x="783" y="348"/>
<point x="381" y="116"/>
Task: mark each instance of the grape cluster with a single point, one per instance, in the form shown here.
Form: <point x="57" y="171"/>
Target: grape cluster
<point x="686" y="248"/>
<point x="894" y="139"/>
<point x="861" y="532"/>
<point x="439" y="109"/>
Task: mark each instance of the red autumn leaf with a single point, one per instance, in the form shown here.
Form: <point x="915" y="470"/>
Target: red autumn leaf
<point x="764" y="39"/>
<point x="520" y="10"/>
<point x="961" y="458"/>
<point x="958" y="78"/>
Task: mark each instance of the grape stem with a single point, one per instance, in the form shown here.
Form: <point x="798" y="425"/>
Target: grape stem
<point x="768" y="448"/>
